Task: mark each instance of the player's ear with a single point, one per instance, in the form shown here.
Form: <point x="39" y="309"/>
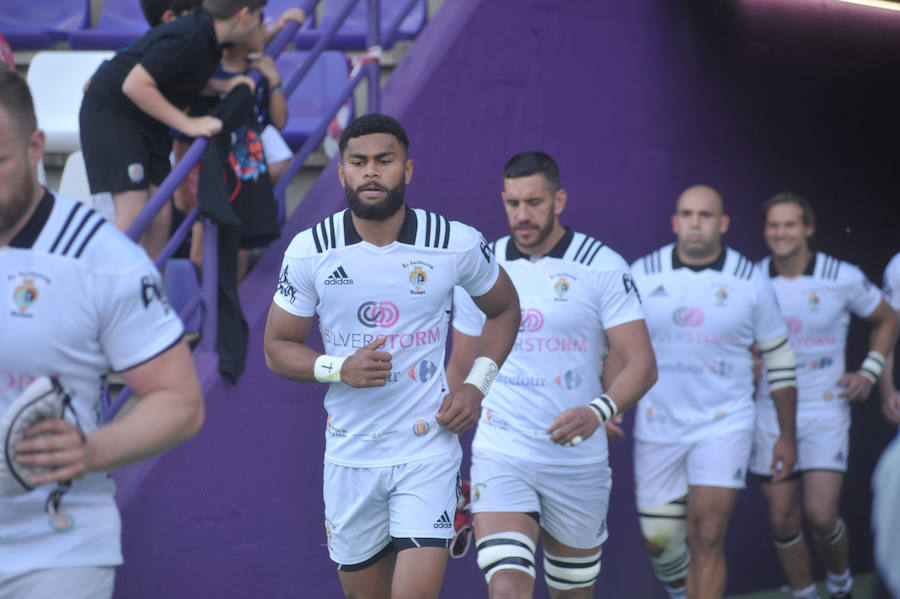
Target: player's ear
<point x="408" y="170"/>
<point x="36" y="144"/>
<point x="724" y="222"/>
<point x="559" y="201"/>
<point x="341" y="174"/>
<point x="675" y="223"/>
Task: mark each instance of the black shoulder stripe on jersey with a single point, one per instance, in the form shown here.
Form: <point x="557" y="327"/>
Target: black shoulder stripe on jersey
<point x="596" y="251"/>
<point x="830" y="268"/>
<point x="324" y="232"/>
<point x="62" y="231"/>
<point x="658" y="254"/>
<point x="78" y="229"/>
<point x="316" y="239"/>
<point x="437" y="230"/>
<point x="331" y="226"/>
<point x="493" y="247"/>
<point x="747" y="273"/>
<point x="739" y="266"/>
<point x="441" y="229"/>
<point x="582" y="256"/>
<point x="581" y="247"/>
<point x="89" y="236"/>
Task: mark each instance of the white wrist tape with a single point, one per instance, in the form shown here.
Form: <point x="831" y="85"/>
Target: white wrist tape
<point x="482" y="374"/>
<point x="871" y="367"/>
<point x="604" y="407"/>
<point x="328" y="369"/>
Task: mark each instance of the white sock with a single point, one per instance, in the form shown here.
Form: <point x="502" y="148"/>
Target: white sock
<point x="839" y="583"/>
<point x="675" y="593"/>
<point x="807" y="593"/>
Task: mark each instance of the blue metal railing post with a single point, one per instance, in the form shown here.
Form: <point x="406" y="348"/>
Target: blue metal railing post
<point x="373" y="69"/>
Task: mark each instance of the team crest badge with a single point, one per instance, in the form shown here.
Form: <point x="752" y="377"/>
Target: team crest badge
<point x="25" y="295"/>
<point x="561" y="288"/>
<point x="813" y="301"/>
<point x="721" y="296"/>
<point x="417" y="278"/>
<point x="136" y="172"/>
<point x="420" y="428"/>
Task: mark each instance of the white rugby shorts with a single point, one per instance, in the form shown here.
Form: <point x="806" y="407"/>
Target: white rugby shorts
<point x="823" y="442"/>
<point x="571" y="500"/>
<point x="664" y="472"/>
<point x="366" y="509"/>
<point x="90" y="582"/>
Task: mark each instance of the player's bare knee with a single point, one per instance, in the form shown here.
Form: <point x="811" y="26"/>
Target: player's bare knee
<point x="707" y="534"/>
<point x="505" y="551"/>
<point x="571" y="573"/>
<point x="785" y="524"/>
<point x="827" y="531"/>
<point x="664" y="529"/>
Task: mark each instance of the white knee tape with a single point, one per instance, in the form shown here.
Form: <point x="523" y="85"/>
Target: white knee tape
<point x="666" y="527"/>
<point x="505" y="551"/>
<point x="565" y="573"/>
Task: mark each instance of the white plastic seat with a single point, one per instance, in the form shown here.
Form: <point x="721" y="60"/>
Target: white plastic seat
<point x="57" y="79"/>
<point x="73" y="183"/>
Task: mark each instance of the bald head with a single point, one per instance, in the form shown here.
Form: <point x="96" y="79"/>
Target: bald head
<point x="699" y="222"/>
<point x="703" y="194"/>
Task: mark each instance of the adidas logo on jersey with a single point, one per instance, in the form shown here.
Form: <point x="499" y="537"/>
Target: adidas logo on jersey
<point x="444" y="521"/>
<point x="739" y="474"/>
<point x="839" y="458"/>
<point x="659" y="292"/>
<point x="339" y="277"/>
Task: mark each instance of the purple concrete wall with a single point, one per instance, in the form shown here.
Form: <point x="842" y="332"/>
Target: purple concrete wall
<point x="636" y="100"/>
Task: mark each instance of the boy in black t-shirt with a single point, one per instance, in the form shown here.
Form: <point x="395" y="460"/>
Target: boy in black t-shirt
<point x="137" y="96"/>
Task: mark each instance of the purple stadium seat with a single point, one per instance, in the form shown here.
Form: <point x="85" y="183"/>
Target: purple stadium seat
<point x="352" y="35"/>
<point x="35" y="24"/>
<point x="315" y="94"/>
<point x="121" y="22"/>
<point x="182" y="285"/>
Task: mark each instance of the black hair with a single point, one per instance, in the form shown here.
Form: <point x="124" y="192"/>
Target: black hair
<point x="225" y="9"/>
<point x="15" y="97"/>
<point x="533" y="162"/>
<point x="788" y="197"/>
<point x="155" y="9"/>
<point x="368" y="124"/>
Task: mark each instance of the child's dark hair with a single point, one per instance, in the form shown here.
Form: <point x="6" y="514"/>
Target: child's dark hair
<point x="225" y="9"/>
<point x="368" y="124"/>
<point x="155" y="9"/>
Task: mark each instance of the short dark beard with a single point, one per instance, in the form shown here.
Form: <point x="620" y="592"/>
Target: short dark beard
<point x="17" y="204"/>
<point x="383" y="210"/>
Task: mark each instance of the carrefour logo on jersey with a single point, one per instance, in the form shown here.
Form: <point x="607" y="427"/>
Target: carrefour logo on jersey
<point x="722" y="368"/>
<point x="423" y="371"/>
<point x="691" y="316"/>
<point x="378" y="314"/>
<point x="821" y="363"/>
<point x="569" y="379"/>
<point x="532" y="320"/>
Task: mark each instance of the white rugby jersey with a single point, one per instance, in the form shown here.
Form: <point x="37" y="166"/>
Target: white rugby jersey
<point x="702" y="324"/>
<point x="79" y="300"/>
<point x="402" y="292"/>
<point x="817" y="306"/>
<point x="568" y="299"/>
<point x="892" y="282"/>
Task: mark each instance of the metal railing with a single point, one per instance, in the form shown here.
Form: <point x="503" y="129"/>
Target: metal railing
<point x="368" y="67"/>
